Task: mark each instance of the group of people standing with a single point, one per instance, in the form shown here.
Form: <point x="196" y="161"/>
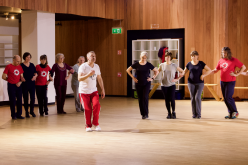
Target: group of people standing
<point x="226" y="65"/>
<point x="25" y="79"/>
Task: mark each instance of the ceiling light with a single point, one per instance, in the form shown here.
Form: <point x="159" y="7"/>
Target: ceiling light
<point x="12" y="17"/>
<point x="7" y="17"/>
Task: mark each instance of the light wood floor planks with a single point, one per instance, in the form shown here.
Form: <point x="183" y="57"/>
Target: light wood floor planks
<point x="125" y="138"/>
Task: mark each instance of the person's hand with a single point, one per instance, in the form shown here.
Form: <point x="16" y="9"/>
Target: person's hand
<point x="233" y="74"/>
<point x="149" y="79"/>
<point x="181" y="75"/>
<point x="213" y="71"/>
<point x="18" y="84"/>
<point x="237" y="71"/>
<point x="175" y="80"/>
<point x="48" y="82"/>
<point x="103" y="94"/>
<point x="23" y="79"/>
<point x="135" y="80"/>
<point x="202" y="77"/>
<point x="92" y="72"/>
<point x="67" y="77"/>
<point x="71" y="71"/>
<point x="34" y="78"/>
<point x="50" y="78"/>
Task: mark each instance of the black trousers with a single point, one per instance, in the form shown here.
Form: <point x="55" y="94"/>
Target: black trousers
<point x="60" y="97"/>
<point x="26" y="91"/>
<point x="169" y="95"/>
<point x="41" y="93"/>
<point x="15" y="99"/>
<point x="143" y="97"/>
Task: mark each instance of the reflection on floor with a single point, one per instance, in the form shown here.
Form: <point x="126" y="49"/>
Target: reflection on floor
<point x="126" y="138"/>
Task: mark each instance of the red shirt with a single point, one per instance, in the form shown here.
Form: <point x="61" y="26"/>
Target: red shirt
<point x="226" y="67"/>
<point x="42" y="75"/>
<point x="14" y="73"/>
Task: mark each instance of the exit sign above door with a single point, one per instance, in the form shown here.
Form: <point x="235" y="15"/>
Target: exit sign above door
<point x="116" y="30"/>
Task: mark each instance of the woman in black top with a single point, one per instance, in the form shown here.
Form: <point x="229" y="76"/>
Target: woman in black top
<point x="28" y="86"/>
<point x="143" y="81"/>
<point x="195" y="82"/>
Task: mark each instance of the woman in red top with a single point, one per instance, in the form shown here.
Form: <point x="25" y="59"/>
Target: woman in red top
<point x="227" y="65"/>
<point x="41" y="84"/>
<point x="60" y="81"/>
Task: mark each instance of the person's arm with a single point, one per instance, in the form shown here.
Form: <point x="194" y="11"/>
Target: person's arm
<point x="239" y="72"/>
<point x="156" y="72"/>
<point x="185" y="71"/>
<point x="208" y="71"/>
<point x="4" y="77"/>
<point x="181" y="71"/>
<point x="82" y="76"/>
<point x="20" y="82"/>
<point x="71" y="70"/>
<point x="100" y="81"/>
<point x="67" y="77"/>
<point x="130" y="74"/>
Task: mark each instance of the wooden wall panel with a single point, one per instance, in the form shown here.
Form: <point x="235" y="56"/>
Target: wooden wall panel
<point x="76" y="38"/>
<point x="112" y="9"/>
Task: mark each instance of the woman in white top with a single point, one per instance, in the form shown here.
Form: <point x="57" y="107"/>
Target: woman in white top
<point x="169" y="70"/>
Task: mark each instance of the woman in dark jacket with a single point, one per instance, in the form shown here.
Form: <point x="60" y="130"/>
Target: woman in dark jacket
<point x="28" y="85"/>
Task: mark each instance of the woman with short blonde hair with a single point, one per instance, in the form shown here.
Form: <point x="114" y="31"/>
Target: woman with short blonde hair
<point x="60" y="81"/>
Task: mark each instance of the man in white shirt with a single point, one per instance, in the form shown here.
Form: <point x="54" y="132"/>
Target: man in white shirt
<point x="88" y="73"/>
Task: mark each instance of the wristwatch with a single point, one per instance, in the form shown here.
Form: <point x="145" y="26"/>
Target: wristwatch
<point x="152" y="78"/>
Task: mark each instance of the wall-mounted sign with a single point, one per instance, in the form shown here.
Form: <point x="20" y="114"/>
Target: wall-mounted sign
<point x="154" y="26"/>
<point x="119" y="52"/>
<point x="119" y="74"/>
<point x="116" y="30"/>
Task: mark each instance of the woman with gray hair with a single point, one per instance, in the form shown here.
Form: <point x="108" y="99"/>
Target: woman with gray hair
<point x="60" y="81"/>
<point x="75" y="84"/>
<point x="143" y="81"/>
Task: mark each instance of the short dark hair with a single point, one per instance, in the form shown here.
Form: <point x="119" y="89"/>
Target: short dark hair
<point x="168" y="54"/>
<point x="194" y="53"/>
<point x="44" y="57"/>
<point x="25" y="55"/>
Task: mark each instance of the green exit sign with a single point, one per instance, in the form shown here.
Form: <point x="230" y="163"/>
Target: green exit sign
<point x="116" y="30"/>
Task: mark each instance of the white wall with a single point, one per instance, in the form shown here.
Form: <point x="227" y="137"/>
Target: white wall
<point x="38" y="38"/>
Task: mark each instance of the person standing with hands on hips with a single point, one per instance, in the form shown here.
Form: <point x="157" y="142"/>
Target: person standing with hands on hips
<point x="88" y="73"/>
<point x="13" y="73"/>
<point x="227" y="65"/>
<point x="168" y="86"/>
<point x="143" y="81"/>
<point x="196" y="82"/>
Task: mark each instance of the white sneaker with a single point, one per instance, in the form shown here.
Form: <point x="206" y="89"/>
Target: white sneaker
<point x="88" y="129"/>
<point x="98" y="128"/>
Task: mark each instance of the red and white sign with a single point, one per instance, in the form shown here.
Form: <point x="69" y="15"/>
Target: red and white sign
<point x="119" y="52"/>
<point x="119" y="74"/>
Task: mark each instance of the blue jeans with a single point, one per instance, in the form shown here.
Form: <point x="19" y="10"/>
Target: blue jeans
<point x="227" y="89"/>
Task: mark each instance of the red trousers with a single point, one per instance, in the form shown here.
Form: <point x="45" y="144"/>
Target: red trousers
<point x="90" y="101"/>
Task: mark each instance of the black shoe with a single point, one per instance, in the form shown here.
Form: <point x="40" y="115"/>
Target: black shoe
<point x="143" y="117"/>
<point x="20" y="117"/>
<point x="63" y="112"/>
<point x="33" y="114"/>
<point x="198" y="117"/>
<point x="173" y="115"/>
<point x="27" y="115"/>
<point x="46" y="113"/>
<point x="41" y="114"/>
<point x="14" y="118"/>
<point x="169" y="116"/>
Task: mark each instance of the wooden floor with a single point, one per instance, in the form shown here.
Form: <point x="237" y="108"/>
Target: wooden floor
<point x="125" y="138"/>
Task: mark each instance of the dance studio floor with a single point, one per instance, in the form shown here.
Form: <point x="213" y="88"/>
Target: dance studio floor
<point x="125" y="138"/>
